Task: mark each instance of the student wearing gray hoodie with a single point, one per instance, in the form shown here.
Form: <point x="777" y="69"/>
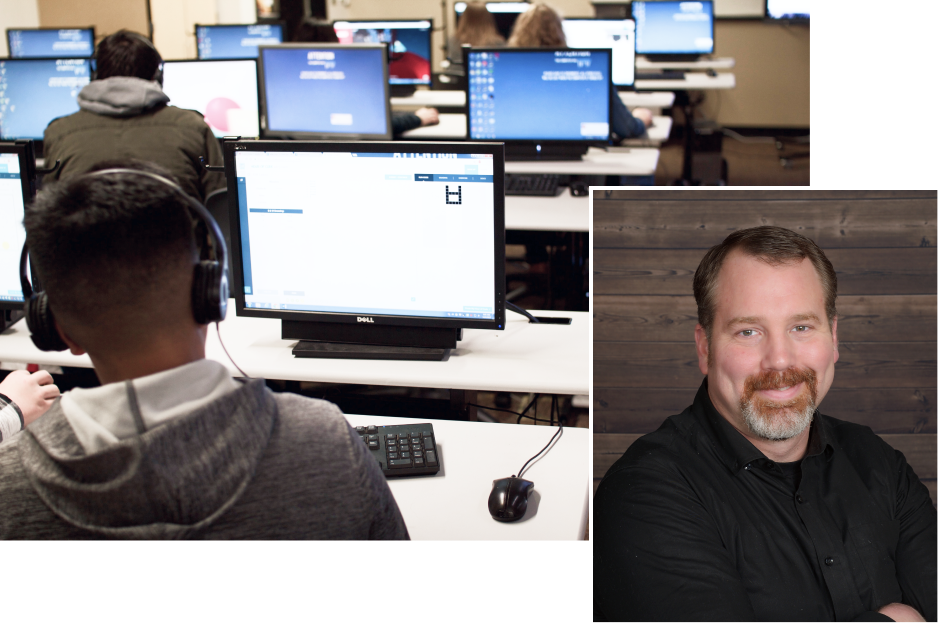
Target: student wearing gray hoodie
<point x="123" y="114"/>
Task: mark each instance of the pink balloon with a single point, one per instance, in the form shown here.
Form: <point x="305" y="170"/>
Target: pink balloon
<point x="216" y="112"/>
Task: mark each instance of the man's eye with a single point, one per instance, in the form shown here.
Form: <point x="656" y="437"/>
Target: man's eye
<point x="747" y="332"/>
<point x="802" y="327"/>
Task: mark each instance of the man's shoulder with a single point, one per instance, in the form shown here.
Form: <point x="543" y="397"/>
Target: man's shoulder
<point x="668" y="449"/>
<point x="854" y="439"/>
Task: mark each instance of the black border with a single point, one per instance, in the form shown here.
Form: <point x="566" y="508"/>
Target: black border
<point x="27" y="171"/>
<point x="268" y="133"/>
<point x="466" y="50"/>
<point x="431" y="49"/>
<point x="196" y="38"/>
<point x="91" y="28"/>
<point x="238" y="285"/>
<point x="699" y="52"/>
<point x="634" y="69"/>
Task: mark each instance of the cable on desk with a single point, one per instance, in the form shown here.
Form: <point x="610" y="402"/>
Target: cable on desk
<point x="556" y="435"/>
<point x="523" y="312"/>
<point x="219" y="334"/>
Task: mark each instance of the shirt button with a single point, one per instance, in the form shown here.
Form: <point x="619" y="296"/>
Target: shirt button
<point x="799" y="498"/>
<point x="769" y="465"/>
<point x="829" y="561"/>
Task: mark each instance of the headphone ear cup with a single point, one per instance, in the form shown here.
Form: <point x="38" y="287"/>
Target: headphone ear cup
<point x="42" y="324"/>
<point x="210" y="292"/>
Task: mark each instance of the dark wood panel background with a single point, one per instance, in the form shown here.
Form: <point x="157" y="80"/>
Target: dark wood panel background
<point x="647" y="246"/>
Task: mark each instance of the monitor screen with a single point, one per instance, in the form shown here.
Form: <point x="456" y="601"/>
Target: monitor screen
<point x="539" y="94"/>
<point x="13" y="199"/>
<point x="402" y="233"/>
<point x="33" y="92"/>
<point x="618" y="35"/>
<point x="325" y="91"/>
<point x="673" y="27"/>
<point x="235" y="41"/>
<point x="505" y="14"/>
<point x="410" y="46"/>
<point x="798" y="10"/>
<point x="225" y="92"/>
<point x="55" y="43"/>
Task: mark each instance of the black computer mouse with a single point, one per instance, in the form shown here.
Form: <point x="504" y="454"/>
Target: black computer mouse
<point x="508" y="499"/>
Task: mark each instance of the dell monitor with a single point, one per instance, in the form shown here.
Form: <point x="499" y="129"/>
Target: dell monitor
<point x="224" y="91"/>
<point x="543" y="103"/>
<point x="236" y="41"/>
<point x="325" y="91"/>
<point x="33" y="92"/>
<point x="617" y="35"/>
<point x="795" y="11"/>
<point x="505" y="14"/>
<point x="51" y="43"/>
<point x="671" y="30"/>
<point x="410" y="48"/>
<point x="374" y="250"/>
<point x="17" y="188"/>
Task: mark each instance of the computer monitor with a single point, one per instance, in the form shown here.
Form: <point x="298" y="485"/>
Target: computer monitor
<point x="410" y="46"/>
<point x="788" y="10"/>
<point x="325" y="91"/>
<point x="54" y="43"/>
<point x="235" y="41"/>
<point x="673" y="30"/>
<point x="17" y="188"/>
<point x="618" y="35"/>
<point x="224" y="91"/>
<point x="505" y="14"/>
<point x="544" y="103"/>
<point x="374" y="243"/>
<point x="33" y="92"/>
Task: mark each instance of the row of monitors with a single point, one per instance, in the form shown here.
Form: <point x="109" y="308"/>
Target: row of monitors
<point x="339" y="90"/>
<point x="370" y="259"/>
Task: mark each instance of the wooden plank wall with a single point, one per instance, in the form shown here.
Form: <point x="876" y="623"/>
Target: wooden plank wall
<point x="883" y="245"/>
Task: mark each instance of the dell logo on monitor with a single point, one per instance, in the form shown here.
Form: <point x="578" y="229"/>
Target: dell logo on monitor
<point x="359" y="319"/>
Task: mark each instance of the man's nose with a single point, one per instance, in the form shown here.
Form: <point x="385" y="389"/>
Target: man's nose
<point x="779" y="352"/>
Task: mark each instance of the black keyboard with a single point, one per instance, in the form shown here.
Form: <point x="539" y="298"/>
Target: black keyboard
<point x="531" y="184"/>
<point x="403" y="450"/>
<point x="673" y="75"/>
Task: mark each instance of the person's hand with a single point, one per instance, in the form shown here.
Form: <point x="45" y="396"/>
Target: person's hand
<point x="33" y="392"/>
<point x="644" y="115"/>
<point x="901" y="613"/>
<point x="428" y="115"/>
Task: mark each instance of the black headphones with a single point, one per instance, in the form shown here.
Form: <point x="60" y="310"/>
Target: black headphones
<point x="210" y="292"/>
<point x="158" y="75"/>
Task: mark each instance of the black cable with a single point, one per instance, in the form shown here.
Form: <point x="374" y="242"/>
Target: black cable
<point x="509" y="411"/>
<point x="523" y="312"/>
<point x="556" y="435"/>
<point x="219" y="334"/>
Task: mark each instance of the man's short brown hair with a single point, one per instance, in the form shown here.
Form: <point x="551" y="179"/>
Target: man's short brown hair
<point x="774" y="245"/>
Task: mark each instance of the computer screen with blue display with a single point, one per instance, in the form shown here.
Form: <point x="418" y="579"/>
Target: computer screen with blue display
<point x="410" y="46"/>
<point x="617" y="35"/>
<point x="235" y="41"/>
<point x="325" y="91"/>
<point x="527" y="94"/>
<point x="55" y="43"/>
<point x="36" y="91"/>
<point x="673" y="27"/>
<point x="794" y="10"/>
<point x="368" y="237"/>
<point x="224" y="91"/>
<point x="12" y="234"/>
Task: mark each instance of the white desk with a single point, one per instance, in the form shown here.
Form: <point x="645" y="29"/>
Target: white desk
<point x="452" y="505"/>
<point x="456" y="98"/>
<point x="719" y="63"/>
<point x="546" y="359"/>
<point x="632" y="162"/>
<point x="651" y="99"/>
<point x="540" y="213"/>
<point x="691" y="81"/>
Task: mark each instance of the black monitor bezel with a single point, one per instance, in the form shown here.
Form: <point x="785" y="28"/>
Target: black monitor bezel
<point x="230" y="147"/>
<point x="431" y="29"/>
<point x="10" y="47"/>
<point x="44" y="59"/>
<point x="677" y="52"/>
<point x="24" y="152"/>
<point x="258" y="97"/>
<point x="268" y="133"/>
<point x="534" y="140"/>
<point x="612" y="19"/>
<point x="196" y="38"/>
<point x="785" y="20"/>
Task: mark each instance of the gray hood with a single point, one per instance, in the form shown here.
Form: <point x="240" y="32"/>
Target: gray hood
<point x="121" y="96"/>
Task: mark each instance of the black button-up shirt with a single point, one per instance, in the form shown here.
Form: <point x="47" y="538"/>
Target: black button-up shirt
<point x="694" y="523"/>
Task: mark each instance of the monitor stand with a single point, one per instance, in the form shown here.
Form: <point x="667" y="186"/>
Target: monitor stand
<point x="544" y="151"/>
<point x="401" y="91"/>
<point x="331" y="340"/>
<point x="10" y="317"/>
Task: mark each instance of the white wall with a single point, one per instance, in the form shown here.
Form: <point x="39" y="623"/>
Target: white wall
<point x="16" y="14"/>
<point x="173" y="21"/>
<point x="235" y="11"/>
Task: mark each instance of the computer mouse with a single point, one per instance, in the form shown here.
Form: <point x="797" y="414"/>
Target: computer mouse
<point x="711" y="72"/>
<point x="508" y="499"/>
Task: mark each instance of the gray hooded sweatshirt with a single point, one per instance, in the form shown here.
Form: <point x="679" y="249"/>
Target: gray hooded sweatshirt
<point x="249" y="465"/>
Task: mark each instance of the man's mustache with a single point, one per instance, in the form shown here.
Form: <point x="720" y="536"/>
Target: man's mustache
<point x="775" y="379"/>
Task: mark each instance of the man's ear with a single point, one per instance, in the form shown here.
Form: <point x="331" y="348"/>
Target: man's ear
<point x="73" y="347"/>
<point x="837" y="354"/>
<point x="703" y="349"/>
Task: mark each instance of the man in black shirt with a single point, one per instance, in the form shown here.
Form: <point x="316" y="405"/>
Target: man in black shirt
<point x="751" y="505"/>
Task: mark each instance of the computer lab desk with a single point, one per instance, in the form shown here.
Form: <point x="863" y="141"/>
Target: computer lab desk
<point x="452" y="100"/>
<point x="452" y="505"/>
<point x="543" y="359"/>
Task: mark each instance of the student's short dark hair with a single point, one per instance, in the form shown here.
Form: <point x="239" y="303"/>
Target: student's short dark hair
<point x="774" y="245"/>
<point x="100" y="242"/>
<point x="315" y="31"/>
<point x="126" y="53"/>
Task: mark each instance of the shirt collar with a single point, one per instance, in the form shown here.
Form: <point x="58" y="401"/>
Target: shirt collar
<point x="735" y="450"/>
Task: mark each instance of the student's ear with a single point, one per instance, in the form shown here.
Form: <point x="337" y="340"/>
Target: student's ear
<point x="73" y="347"/>
<point x="703" y="349"/>
<point x="837" y="354"/>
